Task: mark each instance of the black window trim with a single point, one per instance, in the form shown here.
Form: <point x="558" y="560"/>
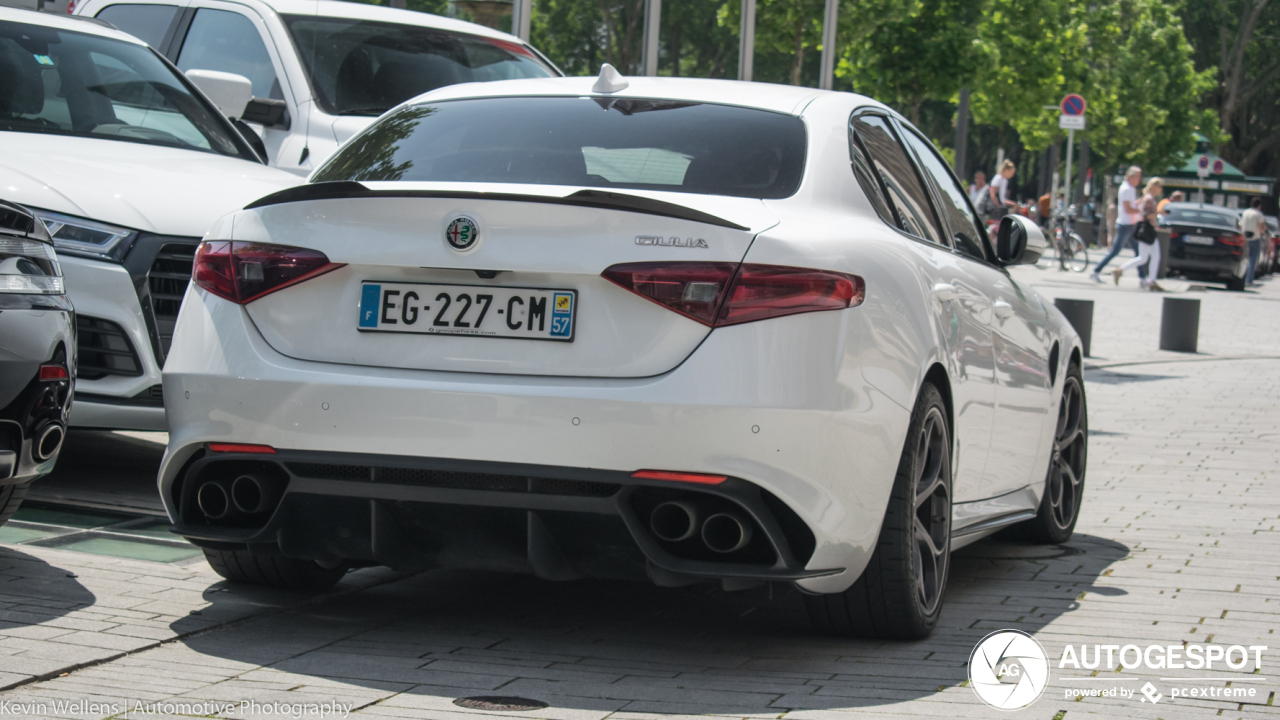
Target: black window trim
<point x="884" y="193"/>
<point x="935" y="191"/>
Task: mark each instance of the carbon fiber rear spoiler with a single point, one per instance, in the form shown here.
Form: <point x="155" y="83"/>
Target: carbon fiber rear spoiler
<point x="582" y="198"/>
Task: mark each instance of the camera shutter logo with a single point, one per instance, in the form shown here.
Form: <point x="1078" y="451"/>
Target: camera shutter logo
<point x="462" y="233"/>
<point x="1008" y="670"/>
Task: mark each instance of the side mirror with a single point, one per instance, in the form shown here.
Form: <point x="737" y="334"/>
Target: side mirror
<point x="267" y="113"/>
<point x="1018" y="241"/>
<point x="230" y="93"/>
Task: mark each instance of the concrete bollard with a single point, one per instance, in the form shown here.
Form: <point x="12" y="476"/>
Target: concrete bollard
<point x="1180" y="325"/>
<point x="1080" y="314"/>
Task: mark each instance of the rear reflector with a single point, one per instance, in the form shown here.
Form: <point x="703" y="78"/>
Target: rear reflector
<point x="696" y="478"/>
<point x="241" y="448"/>
<point x="243" y="271"/>
<point x="719" y="294"/>
<point x="53" y="372"/>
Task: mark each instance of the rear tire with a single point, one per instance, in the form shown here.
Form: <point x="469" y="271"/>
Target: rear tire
<point x="1235" y="284"/>
<point x="249" y="568"/>
<point x="11" y="497"/>
<point x="1059" y="510"/>
<point x="899" y="595"/>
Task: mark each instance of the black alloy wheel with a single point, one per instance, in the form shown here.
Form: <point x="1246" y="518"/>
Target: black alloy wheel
<point x="932" y="512"/>
<point x="899" y="594"/>
<point x="1064" y="483"/>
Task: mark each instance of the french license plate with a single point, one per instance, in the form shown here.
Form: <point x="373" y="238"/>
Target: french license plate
<point x="1197" y="239"/>
<point x="477" y="311"/>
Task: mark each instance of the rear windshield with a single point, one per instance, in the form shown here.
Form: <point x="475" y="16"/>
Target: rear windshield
<point x="592" y="142"/>
<point x="1202" y="217"/>
<point x="362" y="67"/>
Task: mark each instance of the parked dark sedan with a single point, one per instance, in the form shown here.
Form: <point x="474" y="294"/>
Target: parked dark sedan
<point x="1205" y="243"/>
<point x="37" y="362"/>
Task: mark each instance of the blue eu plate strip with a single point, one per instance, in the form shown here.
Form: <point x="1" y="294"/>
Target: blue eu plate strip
<point x="370" y="296"/>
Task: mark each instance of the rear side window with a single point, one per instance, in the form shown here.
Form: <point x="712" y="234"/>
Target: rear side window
<point x="895" y="170"/>
<point x="592" y="142"/>
<point x="1202" y="217"/>
<point x="148" y="23"/>
<point x="866" y="175"/>
<point x="952" y="201"/>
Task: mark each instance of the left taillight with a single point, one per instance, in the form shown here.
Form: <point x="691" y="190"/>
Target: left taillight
<point x="245" y="271"/>
<point x="719" y="294"/>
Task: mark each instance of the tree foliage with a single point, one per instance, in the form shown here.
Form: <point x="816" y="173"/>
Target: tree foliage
<point x="1235" y="41"/>
<point x="1138" y="75"/>
<point x="1131" y="59"/>
<point x="930" y="52"/>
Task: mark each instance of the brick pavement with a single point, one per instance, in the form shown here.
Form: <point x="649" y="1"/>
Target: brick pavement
<point x="1177" y="543"/>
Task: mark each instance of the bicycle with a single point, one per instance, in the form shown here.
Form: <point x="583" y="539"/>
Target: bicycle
<point x="1072" y="254"/>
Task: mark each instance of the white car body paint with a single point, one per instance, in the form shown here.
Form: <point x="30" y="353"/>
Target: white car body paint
<point x="813" y="408"/>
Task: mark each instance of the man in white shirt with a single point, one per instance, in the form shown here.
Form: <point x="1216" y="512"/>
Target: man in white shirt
<point x="977" y="188"/>
<point x="1254" y="226"/>
<point x="998" y="191"/>
<point x="1126" y="220"/>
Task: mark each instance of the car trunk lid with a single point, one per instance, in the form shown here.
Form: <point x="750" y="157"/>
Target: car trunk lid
<point x="533" y="242"/>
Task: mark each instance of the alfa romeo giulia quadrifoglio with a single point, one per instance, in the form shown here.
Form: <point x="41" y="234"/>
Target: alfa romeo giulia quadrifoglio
<point x="665" y="330"/>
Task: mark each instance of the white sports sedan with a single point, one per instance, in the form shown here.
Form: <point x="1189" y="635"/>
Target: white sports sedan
<point x="655" y="329"/>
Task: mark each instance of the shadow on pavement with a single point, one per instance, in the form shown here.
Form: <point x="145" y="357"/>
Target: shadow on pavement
<point x="602" y="646"/>
<point x="33" y="592"/>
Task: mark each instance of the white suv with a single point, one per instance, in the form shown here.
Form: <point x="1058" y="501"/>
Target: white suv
<point x="321" y="71"/>
<point x="127" y="165"/>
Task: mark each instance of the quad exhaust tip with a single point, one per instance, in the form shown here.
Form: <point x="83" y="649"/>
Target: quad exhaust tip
<point x="213" y="501"/>
<point x="674" y="521"/>
<point x="48" y="442"/>
<point x="726" y="532"/>
<point x="248" y="494"/>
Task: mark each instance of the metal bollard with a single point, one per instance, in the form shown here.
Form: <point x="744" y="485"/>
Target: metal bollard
<point x="1080" y="314"/>
<point x="1180" y="325"/>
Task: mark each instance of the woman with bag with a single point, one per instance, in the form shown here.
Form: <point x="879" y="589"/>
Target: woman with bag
<point x="1146" y="235"/>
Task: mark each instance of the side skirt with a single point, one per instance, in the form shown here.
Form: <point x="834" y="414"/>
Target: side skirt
<point x="973" y="521"/>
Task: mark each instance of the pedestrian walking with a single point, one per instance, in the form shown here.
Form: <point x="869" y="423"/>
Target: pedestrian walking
<point x="1254" y="226"/>
<point x="1126" y="219"/>
<point x="978" y="187"/>
<point x="999" y="192"/>
<point x="1147" y="237"/>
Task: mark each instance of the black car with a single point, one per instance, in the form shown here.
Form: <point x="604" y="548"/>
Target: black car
<point x="37" y="362"/>
<point x="1206" y="243"/>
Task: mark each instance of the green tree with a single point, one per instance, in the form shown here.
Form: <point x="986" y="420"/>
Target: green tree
<point x="1143" y="90"/>
<point x="1235" y="40"/>
<point x="1028" y="44"/>
<point x="930" y="53"/>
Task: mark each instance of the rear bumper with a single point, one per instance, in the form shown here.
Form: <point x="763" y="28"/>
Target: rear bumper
<point x="1208" y="265"/>
<point x="556" y="523"/>
<point x="795" y="422"/>
<point x="36" y="329"/>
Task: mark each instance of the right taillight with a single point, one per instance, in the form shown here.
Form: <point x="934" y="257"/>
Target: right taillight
<point x="719" y="294"/>
<point x="1233" y="240"/>
<point x="244" y="271"/>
